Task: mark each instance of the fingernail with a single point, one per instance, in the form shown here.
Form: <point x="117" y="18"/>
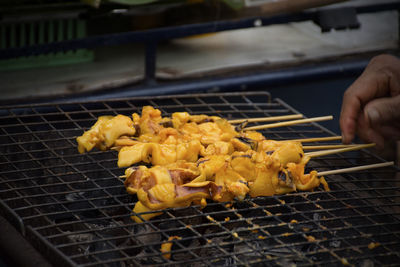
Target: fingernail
<point x="373" y="115"/>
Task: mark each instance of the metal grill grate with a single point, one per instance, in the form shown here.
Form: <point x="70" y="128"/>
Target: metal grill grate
<point x="74" y="208"/>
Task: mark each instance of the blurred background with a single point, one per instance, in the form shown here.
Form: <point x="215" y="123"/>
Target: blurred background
<point x="306" y="52"/>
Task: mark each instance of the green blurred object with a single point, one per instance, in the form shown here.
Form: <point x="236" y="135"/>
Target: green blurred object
<point x="22" y="34"/>
<point x="235" y="4"/>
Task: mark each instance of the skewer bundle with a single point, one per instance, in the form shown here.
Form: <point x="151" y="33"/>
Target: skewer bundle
<point x="199" y="157"/>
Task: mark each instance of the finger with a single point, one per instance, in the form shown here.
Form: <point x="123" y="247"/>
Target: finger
<point x="383" y="110"/>
<point x="348" y="127"/>
<point x="369" y="86"/>
<point x="351" y="106"/>
<point x="363" y="128"/>
<point x="389" y="132"/>
<point x="368" y="134"/>
<point x="376" y="137"/>
<point x="374" y="82"/>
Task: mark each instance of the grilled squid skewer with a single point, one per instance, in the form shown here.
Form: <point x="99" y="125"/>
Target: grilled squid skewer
<point x="151" y="127"/>
<point x="261" y="183"/>
<point x="217" y="177"/>
<point x="163" y="154"/>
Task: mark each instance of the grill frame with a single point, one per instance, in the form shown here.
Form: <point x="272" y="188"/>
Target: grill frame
<point x="43" y="136"/>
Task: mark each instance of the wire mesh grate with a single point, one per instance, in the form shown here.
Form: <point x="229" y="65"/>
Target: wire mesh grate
<point x="75" y="210"/>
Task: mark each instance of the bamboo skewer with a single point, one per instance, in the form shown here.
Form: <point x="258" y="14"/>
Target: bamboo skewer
<point x="339" y="150"/>
<point x="288" y="123"/>
<point x="317" y="139"/>
<point x="327" y="147"/>
<point x="358" y="168"/>
<point x="316" y="147"/>
<point x="264" y="119"/>
<point x="344" y="170"/>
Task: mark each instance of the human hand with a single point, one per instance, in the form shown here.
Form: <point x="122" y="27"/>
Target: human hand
<point x="371" y="105"/>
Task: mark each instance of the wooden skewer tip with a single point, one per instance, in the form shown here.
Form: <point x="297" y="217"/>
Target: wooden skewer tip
<point x="339" y="150"/>
<point x="265" y="119"/>
<point x="288" y="123"/>
<point x="317" y="139"/>
<point x="357" y="168"/>
<point x="327" y="146"/>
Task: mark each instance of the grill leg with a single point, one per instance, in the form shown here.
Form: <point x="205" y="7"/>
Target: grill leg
<point x="150" y="63"/>
<point x="12" y="243"/>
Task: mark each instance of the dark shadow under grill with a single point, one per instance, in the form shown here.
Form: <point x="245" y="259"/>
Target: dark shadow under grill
<point x="74" y="208"/>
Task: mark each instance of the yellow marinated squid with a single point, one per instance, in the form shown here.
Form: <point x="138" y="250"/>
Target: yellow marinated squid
<point x="159" y="154"/>
<point x="182" y="127"/>
<point x="161" y="187"/>
<point x="151" y="127"/>
<point x="153" y="139"/>
<point x="197" y="157"/>
<point x="163" y="154"/>
<point x="217" y="177"/>
<point x="104" y="132"/>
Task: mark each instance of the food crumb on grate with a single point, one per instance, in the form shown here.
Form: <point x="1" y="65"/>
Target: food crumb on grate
<point x="323" y="227"/>
<point x="166" y="247"/>
<point x="268" y="213"/>
<point x="286" y="234"/>
<point x="310" y="238"/>
<point x="210" y="218"/>
<point x="373" y="245"/>
<point x="344" y="261"/>
<point x="228" y="205"/>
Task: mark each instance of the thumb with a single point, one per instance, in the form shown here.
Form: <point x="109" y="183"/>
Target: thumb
<point x="383" y="110"/>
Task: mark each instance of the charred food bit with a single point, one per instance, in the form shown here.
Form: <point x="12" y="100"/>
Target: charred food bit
<point x="166" y="247"/>
<point x="373" y="245"/>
